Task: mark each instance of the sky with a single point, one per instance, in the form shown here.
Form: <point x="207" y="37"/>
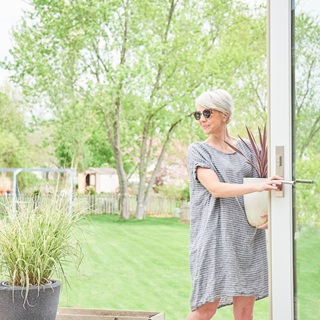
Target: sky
<point x="11" y="11"/>
<point x="10" y="14"/>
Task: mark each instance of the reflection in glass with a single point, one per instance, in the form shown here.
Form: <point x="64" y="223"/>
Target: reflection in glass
<point x="306" y="104"/>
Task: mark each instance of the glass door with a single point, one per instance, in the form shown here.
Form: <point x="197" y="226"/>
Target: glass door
<point x="306" y="144"/>
<point x="294" y="133"/>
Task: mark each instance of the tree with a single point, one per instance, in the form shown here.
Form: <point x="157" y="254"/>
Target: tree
<point x="79" y="138"/>
<point x="307" y="115"/>
<point x="137" y="63"/>
<point x="307" y="75"/>
<point x="12" y="129"/>
<point x="15" y="149"/>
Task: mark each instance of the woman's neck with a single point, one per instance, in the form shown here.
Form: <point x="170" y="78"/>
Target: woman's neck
<point x="218" y="141"/>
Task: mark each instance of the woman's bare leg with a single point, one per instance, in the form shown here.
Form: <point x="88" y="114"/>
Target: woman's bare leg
<point x="243" y="307"/>
<point x="205" y="312"/>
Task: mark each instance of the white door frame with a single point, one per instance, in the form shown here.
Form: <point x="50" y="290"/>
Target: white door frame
<point x="280" y="134"/>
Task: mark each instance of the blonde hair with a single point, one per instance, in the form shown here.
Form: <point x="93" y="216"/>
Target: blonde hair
<point x="218" y="99"/>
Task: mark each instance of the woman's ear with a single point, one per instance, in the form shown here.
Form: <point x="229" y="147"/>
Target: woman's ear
<point x="226" y="117"/>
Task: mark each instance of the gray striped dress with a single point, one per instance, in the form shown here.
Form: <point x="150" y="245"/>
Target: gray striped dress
<point x="228" y="257"/>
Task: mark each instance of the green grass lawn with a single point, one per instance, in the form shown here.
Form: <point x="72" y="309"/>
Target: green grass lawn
<point x="308" y="274"/>
<point x="137" y="265"/>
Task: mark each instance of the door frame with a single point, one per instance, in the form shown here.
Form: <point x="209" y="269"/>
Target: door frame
<point x="281" y="251"/>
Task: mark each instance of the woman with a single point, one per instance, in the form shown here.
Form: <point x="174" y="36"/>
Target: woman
<point x="228" y="257"/>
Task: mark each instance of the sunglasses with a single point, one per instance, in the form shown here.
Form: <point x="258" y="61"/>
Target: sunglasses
<point x="206" y="113"/>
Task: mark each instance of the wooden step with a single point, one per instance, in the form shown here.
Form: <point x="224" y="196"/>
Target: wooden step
<point x="99" y="314"/>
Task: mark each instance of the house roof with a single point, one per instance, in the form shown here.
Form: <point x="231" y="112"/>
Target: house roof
<point x="102" y="171"/>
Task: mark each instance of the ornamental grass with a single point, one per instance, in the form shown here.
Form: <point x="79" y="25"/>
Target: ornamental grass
<point x="37" y="239"/>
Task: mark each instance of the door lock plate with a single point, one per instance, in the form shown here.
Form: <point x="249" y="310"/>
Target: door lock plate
<point x="280" y="167"/>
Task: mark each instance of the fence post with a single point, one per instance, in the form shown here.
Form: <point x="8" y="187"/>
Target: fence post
<point x="176" y="213"/>
<point x="185" y="212"/>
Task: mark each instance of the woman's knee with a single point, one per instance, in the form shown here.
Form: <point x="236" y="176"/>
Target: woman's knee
<point x="243" y="308"/>
<point x="244" y="314"/>
<point x="205" y="312"/>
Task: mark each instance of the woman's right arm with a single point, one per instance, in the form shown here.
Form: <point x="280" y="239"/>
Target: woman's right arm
<point x="218" y="189"/>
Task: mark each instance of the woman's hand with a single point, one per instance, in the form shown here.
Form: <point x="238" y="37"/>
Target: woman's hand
<point x="265" y="225"/>
<point x="271" y="183"/>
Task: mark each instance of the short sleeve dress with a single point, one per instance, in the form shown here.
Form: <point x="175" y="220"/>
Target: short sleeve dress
<point x="228" y="257"/>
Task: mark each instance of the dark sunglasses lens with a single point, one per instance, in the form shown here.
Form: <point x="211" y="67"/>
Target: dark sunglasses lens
<point x="197" y="115"/>
<point x="206" y="113"/>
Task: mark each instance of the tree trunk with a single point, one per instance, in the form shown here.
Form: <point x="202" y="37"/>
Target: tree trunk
<point x="124" y="205"/>
<point x="144" y="156"/>
<point x="124" y="201"/>
<point x="144" y="193"/>
<point x="114" y="138"/>
<point x="141" y="209"/>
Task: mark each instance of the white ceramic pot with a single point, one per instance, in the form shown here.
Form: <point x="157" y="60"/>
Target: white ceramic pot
<point x="255" y="204"/>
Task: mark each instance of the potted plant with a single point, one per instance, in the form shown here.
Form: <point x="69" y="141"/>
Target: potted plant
<point x="256" y="203"/>
<point x="36" y="241"/>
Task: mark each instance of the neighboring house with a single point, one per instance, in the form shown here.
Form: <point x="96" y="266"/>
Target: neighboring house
<point x="99" y="180"/>
<point x="5" y="185"/>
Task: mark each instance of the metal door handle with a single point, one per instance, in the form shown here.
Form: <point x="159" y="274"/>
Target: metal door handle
<point x="280" y="172"/>
<point x="297" y="181"/>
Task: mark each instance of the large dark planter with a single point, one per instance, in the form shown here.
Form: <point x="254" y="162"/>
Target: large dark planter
<point x="42" y="303"/>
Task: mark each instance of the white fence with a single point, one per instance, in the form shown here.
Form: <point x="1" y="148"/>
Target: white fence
<point x="108" y="203"/>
